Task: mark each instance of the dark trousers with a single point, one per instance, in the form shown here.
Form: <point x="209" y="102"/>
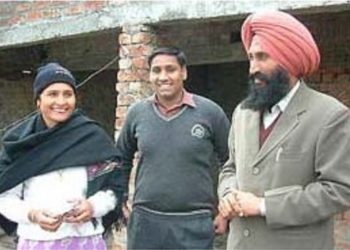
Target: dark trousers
<point x="149" y="229"/>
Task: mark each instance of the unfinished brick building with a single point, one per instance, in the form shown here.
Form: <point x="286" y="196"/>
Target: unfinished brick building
<point x="86" y="35"/>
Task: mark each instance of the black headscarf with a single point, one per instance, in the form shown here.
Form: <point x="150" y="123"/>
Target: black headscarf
<point x="31" y="149"/>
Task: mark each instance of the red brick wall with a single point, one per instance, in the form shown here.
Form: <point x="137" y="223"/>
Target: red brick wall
<point x="333" y="38"/>
<point x="136" y="43"/>
<point x="16" y="101"/>
<point x="21" y="12"/>
<point x="336" y="82"/>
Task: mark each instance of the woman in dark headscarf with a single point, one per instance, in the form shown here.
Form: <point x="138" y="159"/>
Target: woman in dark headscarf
<point x="57" y="171"/>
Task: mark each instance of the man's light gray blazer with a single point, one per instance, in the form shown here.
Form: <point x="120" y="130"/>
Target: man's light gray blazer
<point x="302" y="170"/>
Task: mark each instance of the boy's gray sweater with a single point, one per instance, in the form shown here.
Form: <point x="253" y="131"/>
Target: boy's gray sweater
<point x="177" y="155"/>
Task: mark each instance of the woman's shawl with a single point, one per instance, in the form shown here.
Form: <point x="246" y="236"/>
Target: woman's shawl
<point x="30" y="149"/>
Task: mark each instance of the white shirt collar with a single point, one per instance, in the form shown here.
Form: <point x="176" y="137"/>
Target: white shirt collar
<point x="270" y="116"/>
<point x="283" y="103"/>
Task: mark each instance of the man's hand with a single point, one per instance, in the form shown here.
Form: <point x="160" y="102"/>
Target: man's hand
<point x="237" y="203"/>
<point x="248" y="203"/>
<point x="126" y="208"/>
<point x="220" y="224"/>
<point x="228" y="205"/>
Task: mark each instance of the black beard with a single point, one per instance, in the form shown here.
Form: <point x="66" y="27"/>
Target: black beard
<point x="263" y="98"/>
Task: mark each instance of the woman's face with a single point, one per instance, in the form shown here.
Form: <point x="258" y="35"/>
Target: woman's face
<point x="56" y="103"/>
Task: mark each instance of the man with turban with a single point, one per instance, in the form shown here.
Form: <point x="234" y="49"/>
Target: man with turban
<point x="289" y="166"/>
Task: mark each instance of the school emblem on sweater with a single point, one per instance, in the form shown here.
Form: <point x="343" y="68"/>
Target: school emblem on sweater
<point x="198" y="131"/>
